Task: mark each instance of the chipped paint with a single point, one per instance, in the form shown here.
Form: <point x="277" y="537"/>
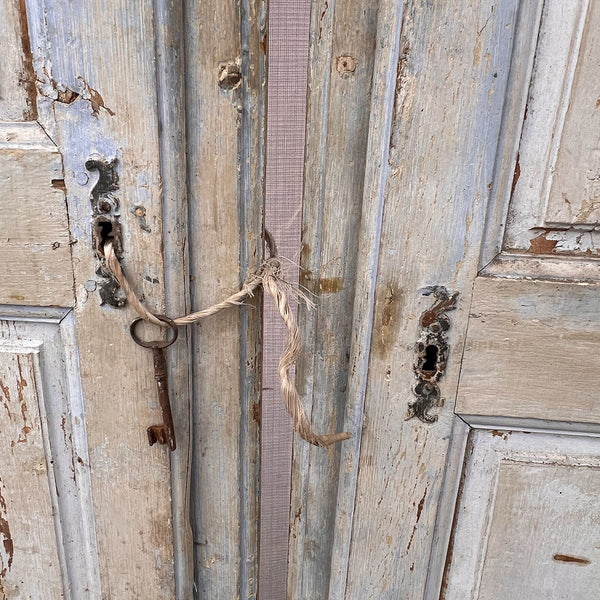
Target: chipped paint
<point x="330" y="285"/>
<point x="7" y="550"/>
<point x="541" y="244"/>
<point x="346" y="66"/>
<point x="576" y="560"/>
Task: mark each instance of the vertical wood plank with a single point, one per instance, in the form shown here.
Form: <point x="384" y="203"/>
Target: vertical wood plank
<point x="449" y="96"/>
<point x="224" y="112"/>
<point x="105" y="53"/>
<point x="340" y="76"/>
<point x="170" y="60"/>
<point x="288" y="41"/>
<point x="376" y="170"/>
<point x="251" y="144"/>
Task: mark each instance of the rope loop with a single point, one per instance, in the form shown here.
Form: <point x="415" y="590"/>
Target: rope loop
<point x="268" y="276"/>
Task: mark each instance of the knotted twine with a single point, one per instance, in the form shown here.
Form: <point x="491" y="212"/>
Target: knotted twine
<point x="269" y="277"/>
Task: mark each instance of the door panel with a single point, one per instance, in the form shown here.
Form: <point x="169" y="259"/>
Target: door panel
<point x="35" y="251"/>
<point x="27" y="527"/>
<point x="531" y="353"/>
<point x="47" y="516"/>
<point x="527" y="519"/>
<point x="554" y="190"/>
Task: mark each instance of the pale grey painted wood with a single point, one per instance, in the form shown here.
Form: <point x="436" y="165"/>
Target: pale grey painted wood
<point x="170" y="57"/>
<point x="224" y="126"/>
<point x="35" y="252"/>
<point x="29" y="542"/>
<point x="518" y="330"/>
<point x="445" y="126"/>
<point x="554" y="69"/>
<point x="575" y="189"/>
<point x="527" y="518"/>
<point x="106" y="54"/>
<point x="387" y="54"/>
<point x="337" y="127"/>
<point x="46" y="343"/>
<point x="506" y="171"/>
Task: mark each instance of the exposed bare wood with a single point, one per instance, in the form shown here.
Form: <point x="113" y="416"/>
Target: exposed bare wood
<point x="517" y="331"/>
<point x="17" y="82"/>
<point x="29" y="543"/>
<point x="35" y="250"/>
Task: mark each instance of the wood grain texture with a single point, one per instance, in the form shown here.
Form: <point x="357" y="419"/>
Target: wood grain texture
<point x="337" y="127"/>
<point x="224" y="135"/>
<point x="17" y="82"/>
<point x="575" y="189"/>
<point x="170" y="52"/>
<point x="29" y="543"/>
<point x="559" y="40"/>
<point x="526" y="521"/>
<point x="507" y="171"/>
<point x="105" y="53"/>
<point x="436" y="188"/>
<point x="35" y="252"/>
<point x="517" y="331"/>
<point x="389" y="22"/>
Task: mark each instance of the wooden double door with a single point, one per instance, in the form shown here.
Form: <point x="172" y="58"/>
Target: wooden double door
<point x="449" y="235"/>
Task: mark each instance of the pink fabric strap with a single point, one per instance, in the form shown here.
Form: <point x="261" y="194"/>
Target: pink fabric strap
<point x="288" y="43"/>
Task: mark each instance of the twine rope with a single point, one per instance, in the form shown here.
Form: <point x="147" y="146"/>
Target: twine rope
<point x="269" y="277"/>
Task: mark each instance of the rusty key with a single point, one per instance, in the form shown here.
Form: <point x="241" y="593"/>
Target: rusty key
<point x="163" y="433"/>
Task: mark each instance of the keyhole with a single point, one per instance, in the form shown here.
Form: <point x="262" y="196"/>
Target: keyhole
<point x="431" y="356"/>
<point x="105" y="232"/>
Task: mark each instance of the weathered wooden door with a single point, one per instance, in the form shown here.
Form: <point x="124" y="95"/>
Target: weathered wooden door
<point x="451" y="147"/>
<point x="481" y="179"/>
<point x="85" y="504"/>
<point x="94" y="117"/>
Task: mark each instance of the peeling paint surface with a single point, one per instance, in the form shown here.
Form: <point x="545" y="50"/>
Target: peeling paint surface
<point x="27" y="536"/>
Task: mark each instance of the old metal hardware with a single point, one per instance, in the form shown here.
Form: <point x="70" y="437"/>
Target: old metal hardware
<point x="165" y="432"/>
<point x="106" y="225"/>
<point x="431" y="352"/>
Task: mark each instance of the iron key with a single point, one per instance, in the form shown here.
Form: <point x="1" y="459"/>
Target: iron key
<point x="165" y="432"/>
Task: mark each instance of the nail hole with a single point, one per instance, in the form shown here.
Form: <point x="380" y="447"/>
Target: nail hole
<point x="431" y="356"/>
